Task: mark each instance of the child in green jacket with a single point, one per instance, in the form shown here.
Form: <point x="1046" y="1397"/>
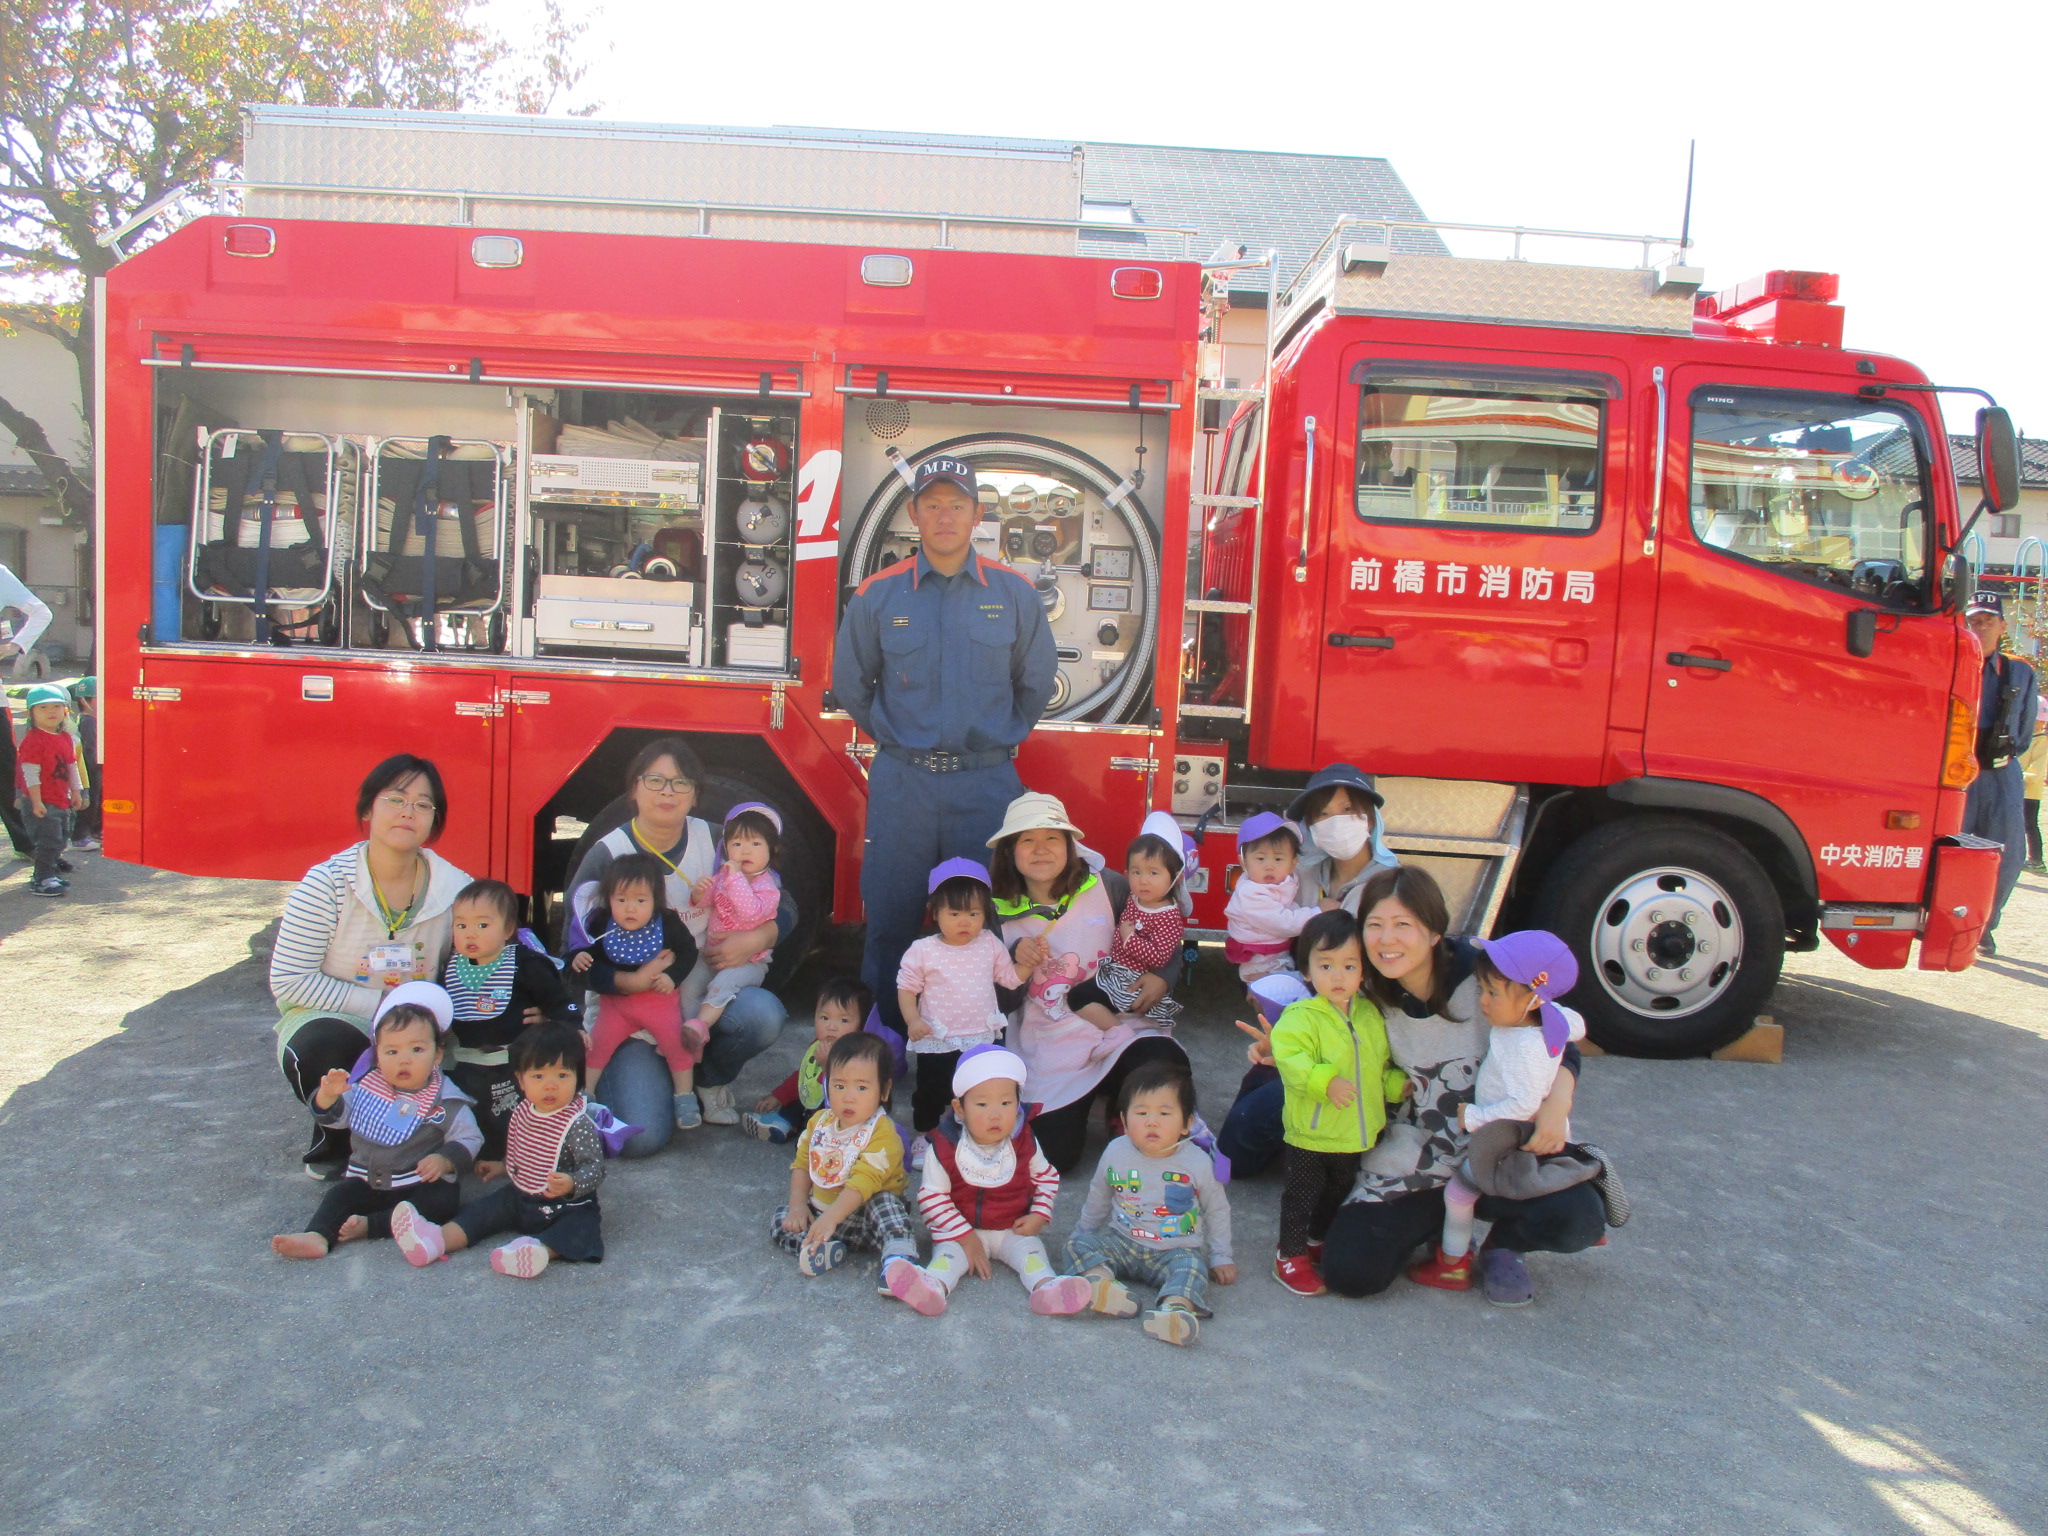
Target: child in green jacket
<point x="1331" y="1050"/>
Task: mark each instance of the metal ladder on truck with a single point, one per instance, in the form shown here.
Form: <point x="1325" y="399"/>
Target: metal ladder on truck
<point x="1469" y="834"/>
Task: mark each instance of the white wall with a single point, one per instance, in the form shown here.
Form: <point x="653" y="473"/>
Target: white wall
<point x="38" y="375"/>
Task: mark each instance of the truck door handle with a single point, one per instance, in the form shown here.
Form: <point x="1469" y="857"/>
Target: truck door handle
<point x="1704" y="663"/>
<point x="1368" y="642"/>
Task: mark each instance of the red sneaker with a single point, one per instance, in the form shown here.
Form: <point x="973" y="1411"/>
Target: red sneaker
<point x="1444" y="1272"/>
<point x="1298" y="1275"/>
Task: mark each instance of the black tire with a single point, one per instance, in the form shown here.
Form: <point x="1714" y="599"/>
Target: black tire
<point x="1600" y="898"/>
<point x="804" y="865"/>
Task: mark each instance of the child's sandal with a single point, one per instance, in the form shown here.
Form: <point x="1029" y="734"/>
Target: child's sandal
<point x="1108" y="1296"/>
<point x="1174" y="1323"/>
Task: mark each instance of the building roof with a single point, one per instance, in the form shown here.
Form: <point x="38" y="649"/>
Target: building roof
<point x="1962" y="452"/>
<point x="22" y="480"/>
<point x="1252" y="198"/>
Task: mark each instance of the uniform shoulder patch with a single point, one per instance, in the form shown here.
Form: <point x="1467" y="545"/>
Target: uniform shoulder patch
<point x="885" y="572"/>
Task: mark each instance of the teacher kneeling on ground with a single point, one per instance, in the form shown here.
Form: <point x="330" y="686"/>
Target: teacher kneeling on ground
<point x="1059" y="919"/>
<point x="663" y="781"/>
<point x="947" y="661"/>
<point x="373" y="916"/>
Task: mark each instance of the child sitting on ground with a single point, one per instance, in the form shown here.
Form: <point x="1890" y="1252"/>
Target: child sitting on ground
<point x="1519" y="975"/>
<point x="742" y="894"/>
<point x="1261" y="920"/>
<point x="642" y="954"/>
<point x="1148" y="934"/>
<point x="846" y="1184"/>
<point x="1331" y="1050"/>
<point x="1153" y="1207"/>
<point x="48" y="786"/>
<point x="842" y="1007"/>
<point x="946" y="987"/>
<point x="411" y="1134"/>
<point x="987" y="1193"/>
<point x="554" y="1158"/>
<point x="499" y="987"/>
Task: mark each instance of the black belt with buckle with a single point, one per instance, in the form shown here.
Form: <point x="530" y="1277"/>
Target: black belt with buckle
<point x="951" y="762"/>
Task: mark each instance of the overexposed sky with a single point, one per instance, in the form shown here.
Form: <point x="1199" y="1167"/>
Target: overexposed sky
<point x="1898" y="145"/>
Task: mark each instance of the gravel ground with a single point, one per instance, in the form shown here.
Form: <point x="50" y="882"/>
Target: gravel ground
<point x="1825" y="1317"/>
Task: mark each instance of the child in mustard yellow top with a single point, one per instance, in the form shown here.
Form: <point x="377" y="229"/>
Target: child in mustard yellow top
<point x="846" y="1185"/>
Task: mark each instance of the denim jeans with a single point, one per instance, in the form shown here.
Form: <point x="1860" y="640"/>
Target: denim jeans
<point x="636" y="1085"/>
<point x="1251" y="1136"/>
<point x="1182" y="1272"/>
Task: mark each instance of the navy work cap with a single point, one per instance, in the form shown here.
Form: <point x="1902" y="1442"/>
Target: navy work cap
<point x="1986" y="602"/>
<point x="1356" y="780"/>
<point x="957" y="471"/>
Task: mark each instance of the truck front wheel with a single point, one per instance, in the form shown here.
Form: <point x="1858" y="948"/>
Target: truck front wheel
<point x="1679" y="935"/>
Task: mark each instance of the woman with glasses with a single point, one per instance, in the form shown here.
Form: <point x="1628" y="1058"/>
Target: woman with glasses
<point x="664" y="782"/>
<point x="375" y="915"/>
<point x="1059" y="919"/>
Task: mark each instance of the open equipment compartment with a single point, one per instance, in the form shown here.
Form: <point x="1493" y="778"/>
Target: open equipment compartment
<point x="269" y="508"/>
<point x="431" y="566"/>
<point x="750" y="550"/>
<point x="615" y="496"/>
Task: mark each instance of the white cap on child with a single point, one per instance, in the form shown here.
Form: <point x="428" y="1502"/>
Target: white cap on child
<point x="984" y="1064"/>
<point x="420" y="994"/>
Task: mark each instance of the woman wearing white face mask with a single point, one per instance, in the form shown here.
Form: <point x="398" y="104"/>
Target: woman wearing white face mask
<point x="1340" y="810"/>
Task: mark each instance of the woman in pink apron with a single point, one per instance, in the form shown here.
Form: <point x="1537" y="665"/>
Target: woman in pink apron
<point x="1059" y="919"/>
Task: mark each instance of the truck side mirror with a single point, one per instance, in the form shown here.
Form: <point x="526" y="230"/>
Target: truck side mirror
<point x="1998" y="459"/>
<point x="1862" y="638"/>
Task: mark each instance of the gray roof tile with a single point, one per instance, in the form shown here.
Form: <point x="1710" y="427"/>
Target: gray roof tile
<point x="22" y="480"/>
<point x="1962" y="451"/>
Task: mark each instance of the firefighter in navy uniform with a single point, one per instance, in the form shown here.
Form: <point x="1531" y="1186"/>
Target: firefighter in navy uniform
<point x="947" y="661"/>
<point x="2006" y="716"/>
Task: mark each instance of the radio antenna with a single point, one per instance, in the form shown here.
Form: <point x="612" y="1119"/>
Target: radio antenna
<point x="1685" y="226"/>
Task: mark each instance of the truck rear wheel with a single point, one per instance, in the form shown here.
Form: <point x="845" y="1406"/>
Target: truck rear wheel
<point x="1679" y="935"/>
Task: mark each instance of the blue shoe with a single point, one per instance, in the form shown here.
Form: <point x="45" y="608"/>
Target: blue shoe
<point x="829" y="1254"/>
<point x="50" y="887"/>
<point x="1505" y="1278"/>
<point x="688" y="1115"/>
<point x="767" y="1127"/>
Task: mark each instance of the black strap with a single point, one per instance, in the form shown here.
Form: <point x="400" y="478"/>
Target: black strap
<point x="266" y="485"/>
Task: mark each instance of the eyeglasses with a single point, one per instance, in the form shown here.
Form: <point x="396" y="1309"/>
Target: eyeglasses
<point x="663" y="786"/>
<point x="398" y="804"/>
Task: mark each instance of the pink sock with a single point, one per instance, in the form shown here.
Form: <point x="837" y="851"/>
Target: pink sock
<point x="1459" y="1199"/>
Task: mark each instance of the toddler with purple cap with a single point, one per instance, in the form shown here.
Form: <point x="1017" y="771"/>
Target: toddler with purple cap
<point x="1520" y="976"/>
<point x="743" y="893"/>
<point x="946" y="987"/>
<point x="1262" y="920"/>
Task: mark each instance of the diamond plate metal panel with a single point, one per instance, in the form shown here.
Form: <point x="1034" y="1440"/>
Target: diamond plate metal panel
<point x="1503" y="292"/>
<point x="1447" y="808"/>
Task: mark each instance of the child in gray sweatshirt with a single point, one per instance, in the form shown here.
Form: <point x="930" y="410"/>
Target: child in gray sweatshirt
<point x="1155" y="1213"/>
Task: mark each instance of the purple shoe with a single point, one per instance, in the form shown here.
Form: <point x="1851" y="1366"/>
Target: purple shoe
<point x="1506" y="1278"/>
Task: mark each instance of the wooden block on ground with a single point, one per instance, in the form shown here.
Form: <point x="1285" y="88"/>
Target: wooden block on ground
<point x="1765" y="1043"/>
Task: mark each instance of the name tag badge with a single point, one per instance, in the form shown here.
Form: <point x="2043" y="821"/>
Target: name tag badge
<point x="390" y="959"/>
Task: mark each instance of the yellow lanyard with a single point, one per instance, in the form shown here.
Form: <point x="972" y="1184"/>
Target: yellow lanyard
<point x="634" y="824"/>
<point x="393" y="921"/>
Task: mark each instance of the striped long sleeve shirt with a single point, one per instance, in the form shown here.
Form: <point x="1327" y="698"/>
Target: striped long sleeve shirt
<point x="949" y="1207"/>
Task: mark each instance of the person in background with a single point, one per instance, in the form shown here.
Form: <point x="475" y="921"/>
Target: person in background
<point x="946" y="660"/>
<point x="2008" y="710"/>
<point x="85" y="822"/>
<point x="35" y="618"/>
<point x="48" y="786"/>
<point x="2034" y="766"/>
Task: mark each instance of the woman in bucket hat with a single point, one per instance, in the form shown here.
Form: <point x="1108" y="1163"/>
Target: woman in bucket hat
<point x="1059" y="911"/>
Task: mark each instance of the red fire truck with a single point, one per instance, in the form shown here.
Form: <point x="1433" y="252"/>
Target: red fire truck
<point x="1642" y="604"/>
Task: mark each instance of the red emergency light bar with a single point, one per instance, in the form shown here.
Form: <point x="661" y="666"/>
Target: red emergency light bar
<point x="1790" y="307"/>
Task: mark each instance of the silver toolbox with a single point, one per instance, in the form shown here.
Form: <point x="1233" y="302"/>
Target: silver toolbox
<point x="666" y="483"/>
<point x="614" y="613"/>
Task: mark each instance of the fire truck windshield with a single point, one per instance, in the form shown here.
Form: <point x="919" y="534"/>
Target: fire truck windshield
<point x="1821" y="488"/>
<point x="1479" y="454"/>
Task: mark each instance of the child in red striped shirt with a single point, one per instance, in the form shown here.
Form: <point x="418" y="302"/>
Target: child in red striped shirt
<point x="1132" y="978"/>
<point x="987" y="1192"/>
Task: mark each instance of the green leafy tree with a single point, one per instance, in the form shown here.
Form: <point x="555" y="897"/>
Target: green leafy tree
<point x="107" y="108"/>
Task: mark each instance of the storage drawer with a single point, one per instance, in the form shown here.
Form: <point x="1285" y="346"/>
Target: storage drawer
<point x="637" y="615"/>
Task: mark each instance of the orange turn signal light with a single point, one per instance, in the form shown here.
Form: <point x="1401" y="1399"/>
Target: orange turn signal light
<point x="1902" y="821"/>
<point x="1959" y="757"/>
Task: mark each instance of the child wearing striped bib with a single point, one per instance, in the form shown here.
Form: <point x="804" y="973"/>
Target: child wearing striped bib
<point x="411" y="1133"/>
<point x="554" y="1160"/>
